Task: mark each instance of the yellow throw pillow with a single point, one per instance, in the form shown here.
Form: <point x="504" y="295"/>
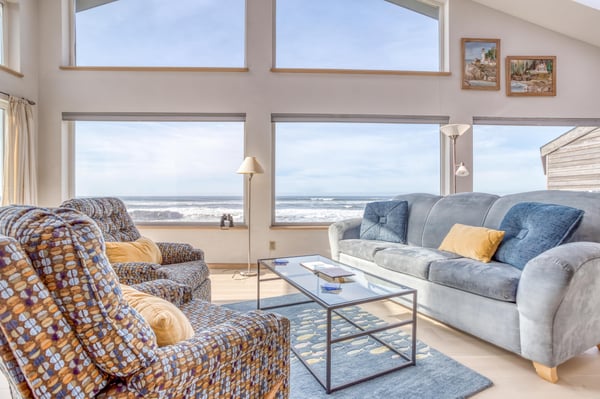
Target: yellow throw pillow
<point x="168" y="322"/>
<point x="472" y="242"/>
<point x="141" y="250"/>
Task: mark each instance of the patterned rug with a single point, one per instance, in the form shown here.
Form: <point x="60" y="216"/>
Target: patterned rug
<point x="435" y="375"/>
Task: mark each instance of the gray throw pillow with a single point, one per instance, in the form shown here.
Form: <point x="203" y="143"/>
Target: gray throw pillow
<point x="385" y="221"/>
<point x="532" y="228"/>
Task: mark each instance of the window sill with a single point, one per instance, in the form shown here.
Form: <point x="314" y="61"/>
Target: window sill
<point x="300" y="227"/>
<point x="194" y="226"/>
<point x="359" y="71"/>
<point x="150" y="69"/>
<point x="11" y="71"/>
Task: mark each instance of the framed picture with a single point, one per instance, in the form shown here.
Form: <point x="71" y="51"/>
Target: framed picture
<point x="530" y="76"/>
<point x="480" y="66"/>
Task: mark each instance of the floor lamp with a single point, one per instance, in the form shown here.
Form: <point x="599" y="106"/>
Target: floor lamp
<point x="453" y="131"/>
<point x="250" y="167"/>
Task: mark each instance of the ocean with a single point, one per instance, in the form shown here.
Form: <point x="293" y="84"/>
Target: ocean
<point x="209" y="209"/>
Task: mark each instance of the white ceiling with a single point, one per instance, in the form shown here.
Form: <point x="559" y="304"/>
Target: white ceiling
<point x="563" y="16"/>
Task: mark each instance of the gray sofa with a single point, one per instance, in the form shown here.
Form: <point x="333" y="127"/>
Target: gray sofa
<point x="547" y="313"/>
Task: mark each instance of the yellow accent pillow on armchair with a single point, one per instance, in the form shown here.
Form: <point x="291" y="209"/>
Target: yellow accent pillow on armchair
<point x="169" y="323"/>
<point x="477" y="243"/>
<point x="141" y="250"/>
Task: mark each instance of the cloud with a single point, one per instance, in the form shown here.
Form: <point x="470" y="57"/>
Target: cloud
<point x="159" y="158"/>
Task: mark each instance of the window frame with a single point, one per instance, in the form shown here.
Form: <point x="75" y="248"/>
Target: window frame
<point x="443" y="43"/>
<point x="349" y="118"/>
<point x="70" y="56"/>
<point x="69" y="119"/>
<point x="4" y="32"/>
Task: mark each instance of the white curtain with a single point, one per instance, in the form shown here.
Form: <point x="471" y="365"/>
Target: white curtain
<point x="19" y="173"/>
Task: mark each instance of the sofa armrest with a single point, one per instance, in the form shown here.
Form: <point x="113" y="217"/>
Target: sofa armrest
<point x="558" y="301"/>
<point x="249" y="355"/>
<point x="173" y="252"/>
<point x="343" y="230"/>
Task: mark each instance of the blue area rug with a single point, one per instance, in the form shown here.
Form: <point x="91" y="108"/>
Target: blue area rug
<point x="435" y="375"/>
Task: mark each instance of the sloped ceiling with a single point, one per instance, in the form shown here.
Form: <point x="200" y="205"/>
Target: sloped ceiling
<point x="563" y="16"/>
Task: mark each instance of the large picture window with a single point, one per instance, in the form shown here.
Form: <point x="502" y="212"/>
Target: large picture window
<point x="175" y="33"/>
<point x="328" y="171"/>
<point x="358" y="34"/>
<point x="507" y="159"/>
<point x="166" y="172"/>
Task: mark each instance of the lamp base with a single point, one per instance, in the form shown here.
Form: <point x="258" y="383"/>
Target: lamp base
<point x="249" y="273"/>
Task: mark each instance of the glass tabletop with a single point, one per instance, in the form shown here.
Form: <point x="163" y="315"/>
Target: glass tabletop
<point x="358" y="287"/>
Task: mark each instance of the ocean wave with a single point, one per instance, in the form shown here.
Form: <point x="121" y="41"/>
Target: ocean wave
<point x="210" y="209"/>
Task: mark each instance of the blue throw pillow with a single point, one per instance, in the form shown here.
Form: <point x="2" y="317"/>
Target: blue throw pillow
<point x="532" y="228"/>
<point x="385" y="221"/>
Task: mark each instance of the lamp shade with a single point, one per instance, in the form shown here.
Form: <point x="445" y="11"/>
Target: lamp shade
<point x="462" y="170"/>
<point x="250" y="166"/>
<point x="455" y="129"/>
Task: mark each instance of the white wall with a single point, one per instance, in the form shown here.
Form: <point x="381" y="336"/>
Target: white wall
<point x="259" y="93"/>
<point x="25" y="55"/>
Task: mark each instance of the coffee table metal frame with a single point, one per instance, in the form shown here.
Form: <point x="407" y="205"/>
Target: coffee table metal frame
<point x="333" y="309"/>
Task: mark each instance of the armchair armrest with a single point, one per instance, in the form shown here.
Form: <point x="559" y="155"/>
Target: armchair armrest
<point x="173" y="252"/>
<point x="250" y="353"/>
<point x="169" y="290"/>
<point x="343" y="230"/>
<point x="137" y="272"/>
<point x="558" y="302"/>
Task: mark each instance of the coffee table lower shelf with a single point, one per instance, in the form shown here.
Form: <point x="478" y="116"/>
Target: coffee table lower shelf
<point x="325" y="381"/>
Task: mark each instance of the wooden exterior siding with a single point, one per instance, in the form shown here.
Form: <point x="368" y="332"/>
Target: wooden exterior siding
<point x="576" y="165"/>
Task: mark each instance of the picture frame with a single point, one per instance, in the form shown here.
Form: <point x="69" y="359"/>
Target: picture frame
<point x="480" y="64"/>
<point x="531" y="76"/>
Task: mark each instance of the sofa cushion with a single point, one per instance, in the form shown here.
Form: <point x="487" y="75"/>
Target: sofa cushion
<point x="66" y="250"/>
<point x="385" y="221"/>
<point x="411" y="260"/>
<point x="365" y="249"/>
<point x="464" y="208"/>
<point x="532" y="228"/>
<point x="472" y="242"/>
<point x="494" y="280"/>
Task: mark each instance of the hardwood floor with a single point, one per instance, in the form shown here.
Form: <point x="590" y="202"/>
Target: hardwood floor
<point x="513" y="376"/>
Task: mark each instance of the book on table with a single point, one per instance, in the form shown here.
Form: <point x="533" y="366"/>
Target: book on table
<point x="327" y="269"/>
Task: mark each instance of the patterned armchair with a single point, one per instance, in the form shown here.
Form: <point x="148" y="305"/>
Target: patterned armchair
<point x="181" y="262"/>
<point x="67" y="332"/>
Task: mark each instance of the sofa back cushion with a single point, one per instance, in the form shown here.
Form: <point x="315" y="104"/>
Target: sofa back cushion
<point x="464" y="208"/>
<point x="67" y="253"/>
<point x="41" y="355"/>
<point x="419" y="206"/>
<point x="589" y="227"/>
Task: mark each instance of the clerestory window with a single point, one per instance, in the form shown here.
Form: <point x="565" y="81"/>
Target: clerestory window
<point x="158" y="33"/>
<point x="400" y="35"/>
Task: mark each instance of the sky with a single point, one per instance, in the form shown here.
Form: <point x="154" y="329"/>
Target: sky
<point x="192" y="159"/>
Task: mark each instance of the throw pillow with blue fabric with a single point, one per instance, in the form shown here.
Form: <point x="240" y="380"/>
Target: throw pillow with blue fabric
<point x="532" y="228"/>
<point x="385" y="221"/>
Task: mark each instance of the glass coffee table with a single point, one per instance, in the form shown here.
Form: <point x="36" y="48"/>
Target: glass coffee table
<point x="339" y="297"/>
